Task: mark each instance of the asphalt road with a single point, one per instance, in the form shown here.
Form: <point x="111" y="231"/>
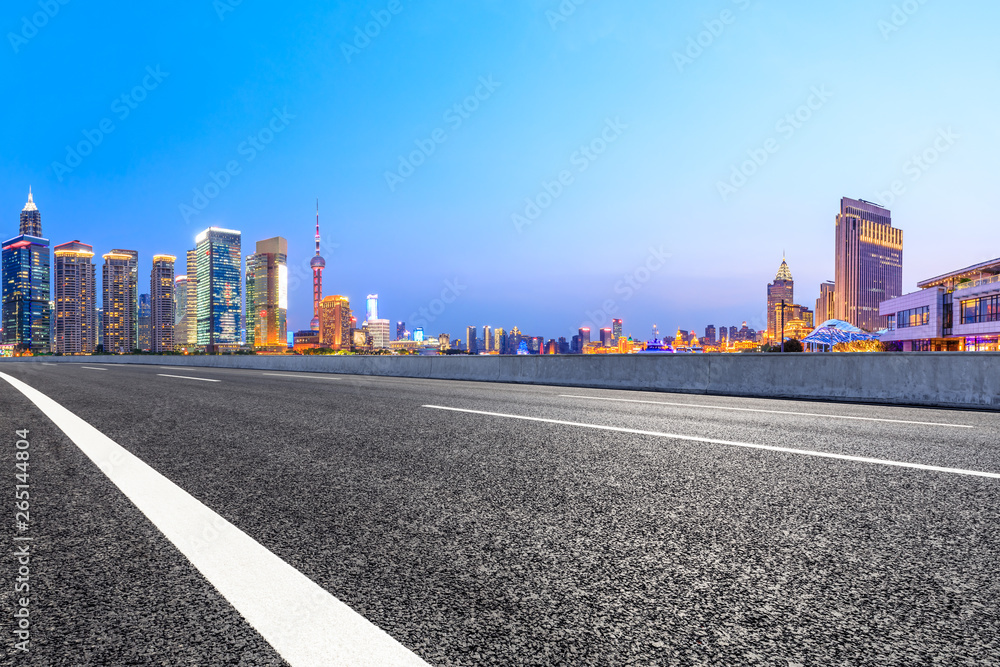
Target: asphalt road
<point x="479" y="539"/>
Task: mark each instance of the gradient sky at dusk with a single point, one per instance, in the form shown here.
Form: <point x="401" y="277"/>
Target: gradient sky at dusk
<point x="654" y="189"/>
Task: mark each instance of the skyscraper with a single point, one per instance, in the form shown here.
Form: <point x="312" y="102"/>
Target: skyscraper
<point x="616" y="329"/>
<point x="782" y="289"/>
<point x="161" y="304"/>
<point x="869" y="263"/>
<point x="180" y="311"/>
<point x="267" y="296"/>
<point x="607" y="337"/>
<point x="192" y="299"/>
<point x="220" y="302"/>
<point x="372" y="309"/>
<point x="318" y="264"/>
<point x="26" y="311"/>
<point x="120" y="333"/>
<point x="31" y="218"/>
<point x="400" y="330"/>
<point x="487" y="338"/>
<point x="335" y="323"/>
<point x="144" y="322"/>
<point x="826" y="304"/>
<point x="710" y="335"/>
<point x="75" y="278"/>
<point x="379" y="330"/>
<point x="133" y="291"/>
<point x="470" y="339"/>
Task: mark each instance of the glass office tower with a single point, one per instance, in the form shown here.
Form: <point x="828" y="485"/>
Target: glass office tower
<point x="26" y="310"/>
<point x="220" y="292"/>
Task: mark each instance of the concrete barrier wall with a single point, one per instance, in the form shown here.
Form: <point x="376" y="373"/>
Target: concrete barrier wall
<point x="933" y="379"/>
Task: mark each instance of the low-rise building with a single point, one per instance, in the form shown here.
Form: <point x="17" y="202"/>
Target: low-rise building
<point x="957" y="311"/>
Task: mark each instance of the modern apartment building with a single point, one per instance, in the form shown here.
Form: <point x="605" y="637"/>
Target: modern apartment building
<point x="75" y="284"/>
<point x="161" y="304"/>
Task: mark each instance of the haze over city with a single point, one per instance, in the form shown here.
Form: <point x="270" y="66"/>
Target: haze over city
<point x="535" y="85"/>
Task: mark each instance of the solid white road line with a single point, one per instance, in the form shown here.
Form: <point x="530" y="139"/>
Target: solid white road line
<point x="307" y="376"/>
<point x="185" y="377"/>
<point x="94" y="368"/>
<point x="772" y="412"/>
<point x="304" y="623"/>
<point x="747" y="445"/>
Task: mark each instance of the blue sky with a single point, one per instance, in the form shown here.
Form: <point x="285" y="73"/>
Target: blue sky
<point x="894" y="80"/>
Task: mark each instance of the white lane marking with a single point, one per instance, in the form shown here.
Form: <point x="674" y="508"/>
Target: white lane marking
<point x="747" y="445"/>
<point x="94" y="368"/>
<point x="179" y="368"/>
<point x="304" y="623"/>
<point x="772" y="412"/>
<point x="303" y="375"/>
<point x="185" y="377"/>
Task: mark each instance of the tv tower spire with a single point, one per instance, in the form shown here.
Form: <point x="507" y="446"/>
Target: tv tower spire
<point x="318" y="264"/>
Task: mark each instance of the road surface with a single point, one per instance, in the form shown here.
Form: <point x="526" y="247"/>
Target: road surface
<point x="230" y="517"/>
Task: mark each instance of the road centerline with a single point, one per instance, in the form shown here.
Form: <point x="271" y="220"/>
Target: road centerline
<point x="729" y="443"/>
<point x="185" y="377"/>
<point x="773" y="412"/>
<point x="305" y="376"/>
<point x="304" y="623"/>
<point x="94" y="368"/>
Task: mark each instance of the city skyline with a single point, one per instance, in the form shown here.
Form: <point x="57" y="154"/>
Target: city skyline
<point x="451" y="219"/>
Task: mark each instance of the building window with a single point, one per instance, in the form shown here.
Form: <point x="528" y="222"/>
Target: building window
<point x="985" y="309"/>
<point x="915" y="317"/>
<point x="921" y="346"/>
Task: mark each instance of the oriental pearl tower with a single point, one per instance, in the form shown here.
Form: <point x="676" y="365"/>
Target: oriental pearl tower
<point x="318" y="264"/>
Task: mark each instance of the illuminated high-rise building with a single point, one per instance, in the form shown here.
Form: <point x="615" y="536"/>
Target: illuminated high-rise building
<point x="825" y="304"/>
<point x="379" y="331"/>
<point x="869" y="263"/>
<point x="400" y="330"/>
<point x="500" y="340"/>
<point x="318" y="264"/>
<point x="145" y="313"/>
<point x="26" y="294"/>
<point x="372" y="310"/>
<point x="75" y="282"/>
<point x="220" y="290"/>
<point x="119" y="331"/>
<point x="781" y="290"/>
<point x="191" y="341"/>
<point x="709" y="338"/>
<point x="335" y="323"/>
<point x="607" y="337"/>
<point x="488" y="338"/>
<point x="31" y="219"/>
<point x="180" y="311"/>
<point x="584" y="336"/>
<point x="133" y="290"/>
<point x="470" y="339"/>
<point x="162" y="316"/>
<point x="267" y="296"/>
<point x="616" y="330"/>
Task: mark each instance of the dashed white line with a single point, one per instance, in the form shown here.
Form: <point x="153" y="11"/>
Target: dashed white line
<point x="713" y="441"/>
<point x="94" y="368"/>
<point x="185" y="377"/>
<point x="773" y="412"/>
<point x="304" y="623"/>
<point x="307" y="376"/>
